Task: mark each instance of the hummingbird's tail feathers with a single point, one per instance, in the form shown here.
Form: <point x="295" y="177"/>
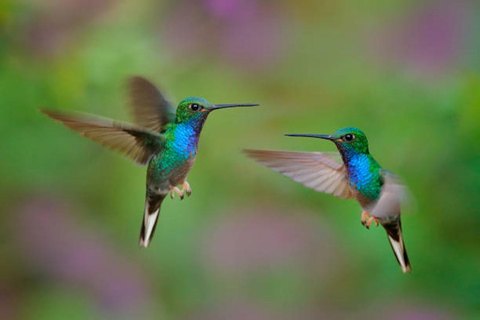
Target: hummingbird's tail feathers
<point x="394" y="234"/>
<point x="137" y="143"/>
<point x="150" y="218"/>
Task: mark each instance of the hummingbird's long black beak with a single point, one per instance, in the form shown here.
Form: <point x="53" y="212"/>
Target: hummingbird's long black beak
<point x="232" y="105"/>
<point x="320" y="136"/>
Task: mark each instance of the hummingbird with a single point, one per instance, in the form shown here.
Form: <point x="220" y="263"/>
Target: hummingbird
<point x="161" y="137"/>
<point x="378" y="191"/>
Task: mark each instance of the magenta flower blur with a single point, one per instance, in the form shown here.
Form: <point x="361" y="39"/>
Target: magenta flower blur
<point x="245" y="34"/>
<point x="429" y="41"/>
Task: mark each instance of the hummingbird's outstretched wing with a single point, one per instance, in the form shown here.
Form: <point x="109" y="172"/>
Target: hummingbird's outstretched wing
<point x="315" y="170"/>
<point x="137" y="143"/>
<point x="387" y="211"/>
<point x="150" y="108"/>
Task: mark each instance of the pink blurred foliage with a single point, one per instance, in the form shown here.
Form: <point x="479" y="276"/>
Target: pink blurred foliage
<point x="429" y="40"/>
<point x="241" y="249"/>
<point x="56" y="245"/>
<point x="261" y="238"/>
<point x="413" y="311"/>
<point x="56" y="23"/>
<point x="9" y="302"/>
<point x="242" y="310"/>
<point x="248" y="35"/>
<point x="237" y="310"/>
<point x="232" y="9"/>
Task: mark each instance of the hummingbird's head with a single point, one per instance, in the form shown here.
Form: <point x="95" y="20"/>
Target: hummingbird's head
<point x="194" y="108"/>
<point x="348" y="140"/>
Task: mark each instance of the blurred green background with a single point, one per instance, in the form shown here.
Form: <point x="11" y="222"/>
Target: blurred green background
<point x="249" y="243"/>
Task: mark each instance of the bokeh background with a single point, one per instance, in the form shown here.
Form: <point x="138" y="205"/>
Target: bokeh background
<point x="249" y="243"/>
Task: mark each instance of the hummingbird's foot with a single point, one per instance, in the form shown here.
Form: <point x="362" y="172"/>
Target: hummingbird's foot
<point x="367" y="220"/>
<point x="186" y="188"/>
<point x="174" y="190"/>
<point x="370" y="221"/>
<point x="365" y="217"/>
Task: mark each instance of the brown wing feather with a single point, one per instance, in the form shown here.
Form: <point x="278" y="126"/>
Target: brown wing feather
<point x="149" y="107"/>
<point x="313" y="169"/>
<point x="136" y="143"/>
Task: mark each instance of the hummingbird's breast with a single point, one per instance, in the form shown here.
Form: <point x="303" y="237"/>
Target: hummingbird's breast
<point x="172" y="165"/>
<point x="364" y="178"/>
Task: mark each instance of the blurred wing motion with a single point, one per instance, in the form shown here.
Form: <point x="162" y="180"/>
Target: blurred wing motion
<point x="137" y="143"/>
<point x="387" y="210"/>
<point x="393" y="194"/>
<point x="150" y="108"/>
<point x="315" y="170"/>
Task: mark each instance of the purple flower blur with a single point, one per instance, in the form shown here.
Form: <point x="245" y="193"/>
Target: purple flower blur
<point x="64" y="250"/>
<point x="56" y="23"/>
<point x="430" y="40"/>
<point x="247" y="241"/>
<point x="405" y="311"/>
<point x="247" y="34"/>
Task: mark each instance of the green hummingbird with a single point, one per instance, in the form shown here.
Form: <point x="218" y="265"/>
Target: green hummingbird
<point x="378" y="191"/>
<point x="163" y="138"/>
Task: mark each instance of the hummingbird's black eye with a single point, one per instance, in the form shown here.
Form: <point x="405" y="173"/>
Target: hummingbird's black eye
<point x="348" y="137"/>
<point x="195" y="107"/>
